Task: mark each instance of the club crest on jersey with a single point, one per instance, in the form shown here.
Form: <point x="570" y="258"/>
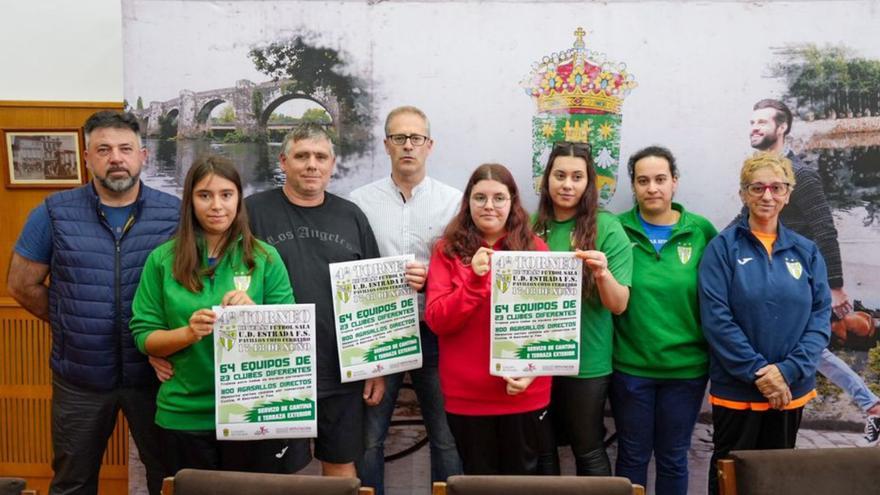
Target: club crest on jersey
<point x="794" y="268"/>
<point x="684" y="253"/>
<point x="242" y="281"/>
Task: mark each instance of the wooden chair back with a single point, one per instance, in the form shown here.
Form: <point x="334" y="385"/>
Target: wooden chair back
<point x="848" y="470"/>
<point x="537" y="485"/>
<point x="201" y="482"/>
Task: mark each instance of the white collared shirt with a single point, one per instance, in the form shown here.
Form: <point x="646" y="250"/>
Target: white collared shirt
<point x="408" y="226"/>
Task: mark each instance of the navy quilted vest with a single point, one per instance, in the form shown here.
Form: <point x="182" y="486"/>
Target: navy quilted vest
<point x="93" y="282"/>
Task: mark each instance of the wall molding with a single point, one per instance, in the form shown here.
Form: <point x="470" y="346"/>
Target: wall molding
<point x="60" y="104"/>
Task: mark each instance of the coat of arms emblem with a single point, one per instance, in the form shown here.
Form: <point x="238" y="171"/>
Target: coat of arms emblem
<point x="579" y="95"/>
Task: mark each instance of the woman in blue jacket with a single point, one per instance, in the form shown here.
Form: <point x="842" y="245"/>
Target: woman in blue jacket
<point x="765" y="307"/>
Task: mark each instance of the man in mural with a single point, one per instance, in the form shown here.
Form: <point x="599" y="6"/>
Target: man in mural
<point x="311" y="228"/>
<point x="93" y="241"/>
<point x="809" y="214"/>
<point x="408" y="211"/>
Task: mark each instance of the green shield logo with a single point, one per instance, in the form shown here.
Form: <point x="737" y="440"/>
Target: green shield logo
<point x="684" y="253"/>
<point x="794" y="268"/>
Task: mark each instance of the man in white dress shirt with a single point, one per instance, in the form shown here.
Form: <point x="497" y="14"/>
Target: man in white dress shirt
<point x="408" y="211"/>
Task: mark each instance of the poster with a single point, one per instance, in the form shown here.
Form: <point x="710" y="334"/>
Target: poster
<point x="536" y="313"/>
<point x="377" y="318"/>
<point x="264" y="372"/>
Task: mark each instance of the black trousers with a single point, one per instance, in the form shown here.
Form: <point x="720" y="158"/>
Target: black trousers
<point x="82" y="422"/>
<point x="202" y="450"/>
<point x="750" y="430"/>
<point x="578" y="407"/>
<point x="502" y="444"/>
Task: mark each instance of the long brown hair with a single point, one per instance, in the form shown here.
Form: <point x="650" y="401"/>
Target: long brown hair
<point x="584" y="235"/>
<point x="188" y="270"/>
<point x="462" y="236"/>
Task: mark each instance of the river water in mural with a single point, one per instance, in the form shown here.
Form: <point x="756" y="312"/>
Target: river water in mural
<point x="168" y="162"/>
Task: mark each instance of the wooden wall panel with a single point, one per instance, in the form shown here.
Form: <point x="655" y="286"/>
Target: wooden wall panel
<point x="25" y="378"/>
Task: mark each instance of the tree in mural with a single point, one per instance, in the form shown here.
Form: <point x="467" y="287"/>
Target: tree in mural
<point x="313" y="70"/>
<point x="833" y="82"/>
<point x="316" y="115"/>
<point x="830" y="82"/>
<point x="226" y="116"/>
<point x="257" y="103"/>
<point x="281" y="118"/>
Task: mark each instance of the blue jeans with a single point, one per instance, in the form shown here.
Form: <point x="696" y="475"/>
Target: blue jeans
<point x="840" y="374"/>
<point x="656" y="416"/>
<point x="445" y="461"/>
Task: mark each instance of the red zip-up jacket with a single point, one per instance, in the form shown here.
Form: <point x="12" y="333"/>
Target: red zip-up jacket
<point x="457" y="309"/>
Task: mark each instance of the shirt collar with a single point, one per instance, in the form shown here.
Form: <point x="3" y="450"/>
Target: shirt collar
<point x="424" y="185"/>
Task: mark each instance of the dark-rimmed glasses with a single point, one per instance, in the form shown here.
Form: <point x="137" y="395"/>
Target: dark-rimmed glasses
<point x="400" y="139"/>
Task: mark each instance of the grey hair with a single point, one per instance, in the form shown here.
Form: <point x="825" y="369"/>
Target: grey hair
<point x="407" y="109"/>
<point x="308" y="130"/>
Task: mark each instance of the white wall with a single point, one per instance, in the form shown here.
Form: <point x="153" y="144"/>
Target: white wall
<point x="59" y="50"/>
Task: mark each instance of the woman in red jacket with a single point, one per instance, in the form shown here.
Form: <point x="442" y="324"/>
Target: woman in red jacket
<point x="499" y="424"/>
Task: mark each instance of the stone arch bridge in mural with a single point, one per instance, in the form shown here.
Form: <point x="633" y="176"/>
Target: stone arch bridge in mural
<point x="253" y="104"/>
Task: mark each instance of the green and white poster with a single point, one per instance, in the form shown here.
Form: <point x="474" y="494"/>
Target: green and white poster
<point x="377" y="317"/>
<point x="536" y="313"/>
<point x="264" y="372"/>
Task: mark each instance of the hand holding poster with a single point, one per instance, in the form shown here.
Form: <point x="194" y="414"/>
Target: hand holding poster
<point x="536" y="313"/>
<point x="377" y="318"/>
<point x="264" y="374"/>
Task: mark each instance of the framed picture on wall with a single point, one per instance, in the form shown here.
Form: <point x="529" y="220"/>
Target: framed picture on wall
<point x="43" y="158"/>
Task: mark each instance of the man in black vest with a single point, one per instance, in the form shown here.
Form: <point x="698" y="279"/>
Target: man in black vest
<point x="93" y="241"/>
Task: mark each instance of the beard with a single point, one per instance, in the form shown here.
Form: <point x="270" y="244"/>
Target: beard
<point x="766" y="142"/>
<point x="119" y="185"/>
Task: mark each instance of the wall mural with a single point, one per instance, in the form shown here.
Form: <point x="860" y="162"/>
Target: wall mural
<point x="835" y="94"/>
<point x="234" y="76"/>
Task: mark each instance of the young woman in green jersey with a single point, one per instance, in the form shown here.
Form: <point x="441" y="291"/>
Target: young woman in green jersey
<point x="569" y="219"/>
<point x="660" y="356"/>
<point x="213" y="260"/>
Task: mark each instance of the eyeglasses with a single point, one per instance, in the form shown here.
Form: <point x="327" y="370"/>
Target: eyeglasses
<point x="415" y="139"/>
<point x="498" y="201"/>
<point x="757" y="189"/>
<point x="566" y="145"/>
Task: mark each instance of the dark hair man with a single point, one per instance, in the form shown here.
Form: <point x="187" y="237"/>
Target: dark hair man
<point x="93" y="241"/>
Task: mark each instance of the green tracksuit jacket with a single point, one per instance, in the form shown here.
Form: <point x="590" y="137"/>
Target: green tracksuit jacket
<point x="659" y="335"/>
